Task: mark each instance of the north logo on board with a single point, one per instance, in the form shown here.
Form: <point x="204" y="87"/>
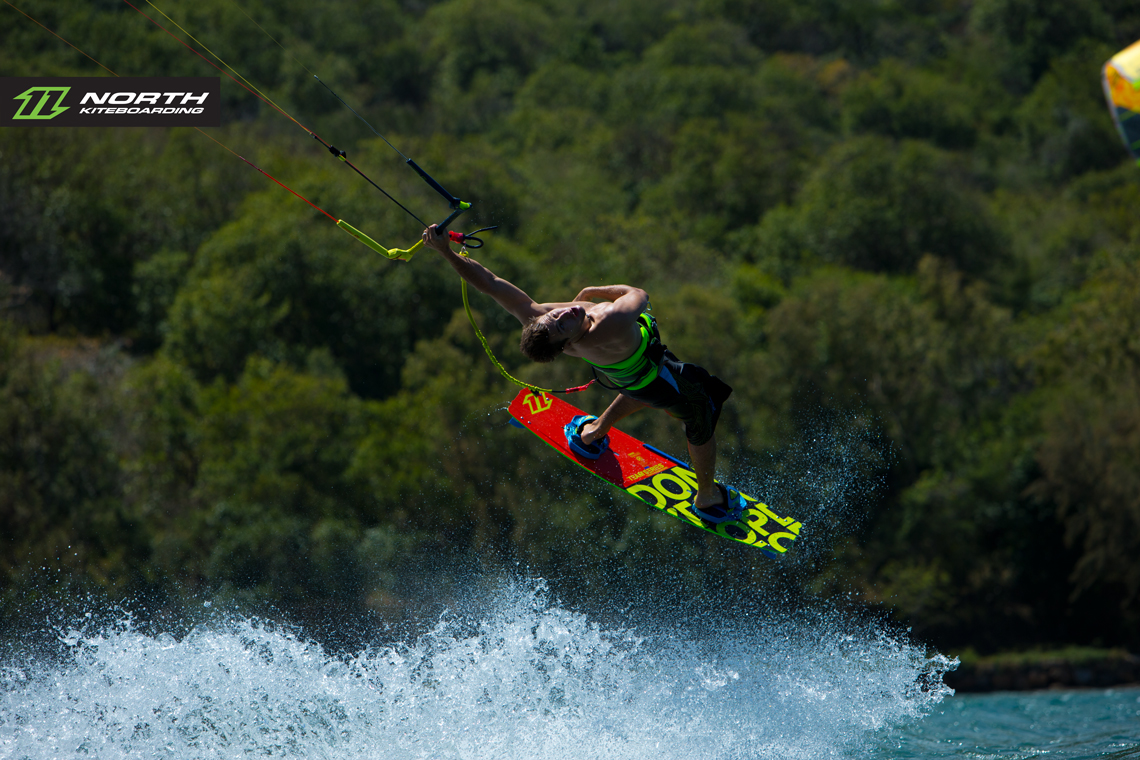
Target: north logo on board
<point x="538" y="403"/>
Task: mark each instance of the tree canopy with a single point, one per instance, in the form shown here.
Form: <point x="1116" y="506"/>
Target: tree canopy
<point x="905" y="232"/>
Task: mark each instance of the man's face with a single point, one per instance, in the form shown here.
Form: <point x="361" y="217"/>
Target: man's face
<point x="565" y="323"/>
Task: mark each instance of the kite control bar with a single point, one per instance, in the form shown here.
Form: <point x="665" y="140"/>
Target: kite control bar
<point x="457" y="206"/>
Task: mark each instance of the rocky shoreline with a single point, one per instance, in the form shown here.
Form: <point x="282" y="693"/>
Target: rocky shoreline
<point x="1065" y="669"/>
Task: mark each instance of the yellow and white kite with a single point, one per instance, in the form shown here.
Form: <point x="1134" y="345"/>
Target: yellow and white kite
<point x="1121" y="80"/>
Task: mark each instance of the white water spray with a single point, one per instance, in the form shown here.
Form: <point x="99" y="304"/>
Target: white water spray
<point x="527" y="680"/>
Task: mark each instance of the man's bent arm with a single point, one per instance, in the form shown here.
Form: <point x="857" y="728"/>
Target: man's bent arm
<point x="628" y="301"/>
<point x="506" y="294"/>
<point x="604" y="292"/>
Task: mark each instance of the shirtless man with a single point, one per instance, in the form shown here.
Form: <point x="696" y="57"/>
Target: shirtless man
<point x="616" y="337"/>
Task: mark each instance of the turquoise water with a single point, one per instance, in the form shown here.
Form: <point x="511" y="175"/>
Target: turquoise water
<point x="522" y="677"/>
<point x="1069" y="725"/>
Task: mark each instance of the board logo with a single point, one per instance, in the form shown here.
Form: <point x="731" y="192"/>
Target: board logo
<point x="672" y="492"/>
<point x="110" y="102"/>
<point x="538" y="403"/>
<point x="650" y="470"/>
<point x="29" y="96"/>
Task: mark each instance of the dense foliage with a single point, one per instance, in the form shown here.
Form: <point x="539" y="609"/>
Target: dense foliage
<point x="904" y="230"/>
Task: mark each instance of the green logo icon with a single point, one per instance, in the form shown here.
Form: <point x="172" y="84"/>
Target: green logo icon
<point x="38" y="106"/>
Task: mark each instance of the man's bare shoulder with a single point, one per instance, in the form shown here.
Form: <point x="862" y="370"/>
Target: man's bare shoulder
<point x="612" y="336"/>
<point x="609" y="319"/>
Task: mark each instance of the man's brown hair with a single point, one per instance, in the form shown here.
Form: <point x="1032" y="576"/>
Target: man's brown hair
<point x="536" y="343"/>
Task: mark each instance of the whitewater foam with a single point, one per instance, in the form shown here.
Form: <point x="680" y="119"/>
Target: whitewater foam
<point x="525" y="679"/>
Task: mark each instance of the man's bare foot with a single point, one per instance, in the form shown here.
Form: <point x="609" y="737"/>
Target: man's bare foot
<point x="721" y="510"/>
<point x="708" y="498"/>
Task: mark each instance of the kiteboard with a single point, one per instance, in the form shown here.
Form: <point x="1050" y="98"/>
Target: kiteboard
<point x="654" y="477"/>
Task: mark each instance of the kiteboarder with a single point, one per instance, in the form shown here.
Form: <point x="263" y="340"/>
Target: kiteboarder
<point x="608" y="327"/>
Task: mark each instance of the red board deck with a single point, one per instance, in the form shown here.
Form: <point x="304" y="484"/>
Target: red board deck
<point x="652" y="476"/>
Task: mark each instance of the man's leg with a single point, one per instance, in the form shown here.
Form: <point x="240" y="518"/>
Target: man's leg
<point x="622" y="407"/>
<point x="704" y="466"/>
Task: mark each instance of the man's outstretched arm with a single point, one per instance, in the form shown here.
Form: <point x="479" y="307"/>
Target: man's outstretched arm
<point x="506" y="294"/>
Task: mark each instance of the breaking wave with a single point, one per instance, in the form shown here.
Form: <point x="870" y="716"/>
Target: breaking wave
<point x="524" y="678"/>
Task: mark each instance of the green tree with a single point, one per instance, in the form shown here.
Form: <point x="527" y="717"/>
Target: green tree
<point x="1088" y="367"/>
<point x="275" y="518"/>
<point x="1088" y="458"/>
<point x="880" y="206"/>
<point x="1028" y="34"/>
<point x="900" y="101"/>
<point x="274" y="285"/>
<point x="923" y="355"/>
<point x="1063" y="120"/>
<point x="485" y="52"/>
<point x="63" y="524"/>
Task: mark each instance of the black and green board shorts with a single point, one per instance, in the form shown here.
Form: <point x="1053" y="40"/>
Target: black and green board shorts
<point x="688" y="393"/>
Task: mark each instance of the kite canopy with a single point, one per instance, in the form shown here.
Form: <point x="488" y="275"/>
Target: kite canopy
<point x="1121" y="79"/>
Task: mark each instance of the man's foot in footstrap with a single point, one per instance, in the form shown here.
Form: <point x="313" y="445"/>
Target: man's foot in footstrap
<point x="729" y="509"/>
